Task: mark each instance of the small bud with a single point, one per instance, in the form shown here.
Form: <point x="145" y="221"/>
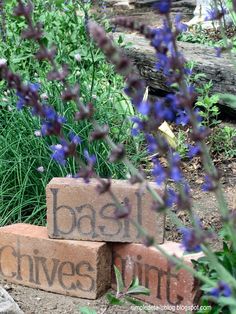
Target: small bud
<point x="40" y="169"/>
<point x="104" y="186"/>
<point x="78" y="57"/>
<point x="3" y="62"/>
<point x="117" y="153"/>
<point x="44" y="96"/>
<point x="100" y="133"/>
<point x="38" y="133"/>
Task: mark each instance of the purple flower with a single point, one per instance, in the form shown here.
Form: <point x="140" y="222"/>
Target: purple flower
<point x="21" y="101"/>
<point x="75" y="139"/>
<point x="24" y="98"/>
<point x="209" y="184"/>
<point x="162" y="6"/>
<point x="175" y="174"/>
<point x="218" y="51"/>
<point x="91" y="159"/>
<point x="151" y="144"/>
<point x="179" y="26"/>
<point x="59" y="153"/>
<point x="144" y="107"/>
<point x="215" y="14"/>
<point x="34" y="87"/>
<point x="191" y="242"/>
<point x="49" y="113"/>
<point x="193" y="151"/>
<point x="182" y="118"/>
<point x="222" y="289"/>
<point x="158" y="172"/>
<point x="174" y="171"/>
<point x="170" y="197"/>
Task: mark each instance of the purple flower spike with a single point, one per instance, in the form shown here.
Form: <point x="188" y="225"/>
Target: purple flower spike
<point x="91" y="159"/>
<point x="59" y="154"/>
<point x="162" y="6"/>
<point x="75" y="139"/>
<point x="223" y="289"/>
<point x="190" y="241"/>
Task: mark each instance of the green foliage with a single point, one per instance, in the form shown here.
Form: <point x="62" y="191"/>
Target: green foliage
<point x="207" y="104"/>
<point x="229" y="4"/>
<point x="86" y="310"/>
<point x="123" y="295"/>
<point x="223" y="141"/>
<point x="22" y="187"/>
<point x="227" y="258"/>
<point x="182" y="147"/>
<point x="196" y="36"/>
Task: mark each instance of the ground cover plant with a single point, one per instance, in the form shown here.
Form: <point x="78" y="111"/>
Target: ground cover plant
<point x="25" y="163"/>
<point x="216" y="272"/>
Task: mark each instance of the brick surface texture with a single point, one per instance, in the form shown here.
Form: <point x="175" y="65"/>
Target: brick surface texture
<point x="29" y="257"/>
<point x="171" y="290"/>
<point x="76" y="211"/>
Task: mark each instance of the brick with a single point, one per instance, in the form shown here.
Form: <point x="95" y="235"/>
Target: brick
<point x="171" y="290"/>
<point x="30" y="258"/>
<point x="76" y="211"/>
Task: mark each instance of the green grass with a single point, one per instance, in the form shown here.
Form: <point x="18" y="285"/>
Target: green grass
<point x="22" y="187"/>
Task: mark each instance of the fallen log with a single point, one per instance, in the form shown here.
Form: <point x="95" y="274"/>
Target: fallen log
<point x="220" y="71"/>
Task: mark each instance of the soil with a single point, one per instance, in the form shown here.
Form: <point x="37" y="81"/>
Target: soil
<point x="34" y="301"/>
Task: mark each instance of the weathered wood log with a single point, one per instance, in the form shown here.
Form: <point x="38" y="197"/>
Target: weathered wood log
<point x="220" y="71"/>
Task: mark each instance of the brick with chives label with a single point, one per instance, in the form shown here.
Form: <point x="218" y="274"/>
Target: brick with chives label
<point x="171" y="290"/>
<point x="75" y="268"/>
<point x="76" y="211"/>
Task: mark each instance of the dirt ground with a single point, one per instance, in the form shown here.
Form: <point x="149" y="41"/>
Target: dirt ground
<point x="34" y="301"/>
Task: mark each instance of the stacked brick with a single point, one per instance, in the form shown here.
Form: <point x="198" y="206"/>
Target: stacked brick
<point x="75" y="254"/>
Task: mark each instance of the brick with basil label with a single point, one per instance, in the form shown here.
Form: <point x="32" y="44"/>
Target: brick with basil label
<point x="29" y="257"/>
<point x="75" y="210"/>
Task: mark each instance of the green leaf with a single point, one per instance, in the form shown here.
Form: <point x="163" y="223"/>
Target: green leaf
<point x="139" y="290"/>
<point x="134" y="283"/>
<point x="86" y="310"/>
<point x="119" y="280"/>
<point x="113" y="300"/>
<point x="227" y="301"/>
<point x="134" y="301"/>
<point x="120" y="39"/>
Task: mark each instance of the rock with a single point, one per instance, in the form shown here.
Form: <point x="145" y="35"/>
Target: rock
<point x="7" y="304"/>
<point x="202" y="12"/>
<point x="220" y="70"/>
<point x="123" y="5"/>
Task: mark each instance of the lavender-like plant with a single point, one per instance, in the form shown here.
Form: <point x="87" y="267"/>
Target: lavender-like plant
<point x="174" y="107"/>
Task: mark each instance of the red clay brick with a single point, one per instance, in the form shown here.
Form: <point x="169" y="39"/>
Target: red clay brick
<point x="169" y="289"/>
<point x="29" y="257"/>
<point x="76" y="211"/>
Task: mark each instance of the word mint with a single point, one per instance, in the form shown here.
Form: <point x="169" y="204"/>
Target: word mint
<point x="169" y="287"/>
<point x="75" y="210"/>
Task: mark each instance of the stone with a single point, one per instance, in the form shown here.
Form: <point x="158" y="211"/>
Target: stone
<point x="7" y="304"/>
<point x="76" y="211"/>
<point x="201" y="13"/>
<point x="172" y="290"/>
<point x="30" y="258"/>
<point x="122" y="5"/>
